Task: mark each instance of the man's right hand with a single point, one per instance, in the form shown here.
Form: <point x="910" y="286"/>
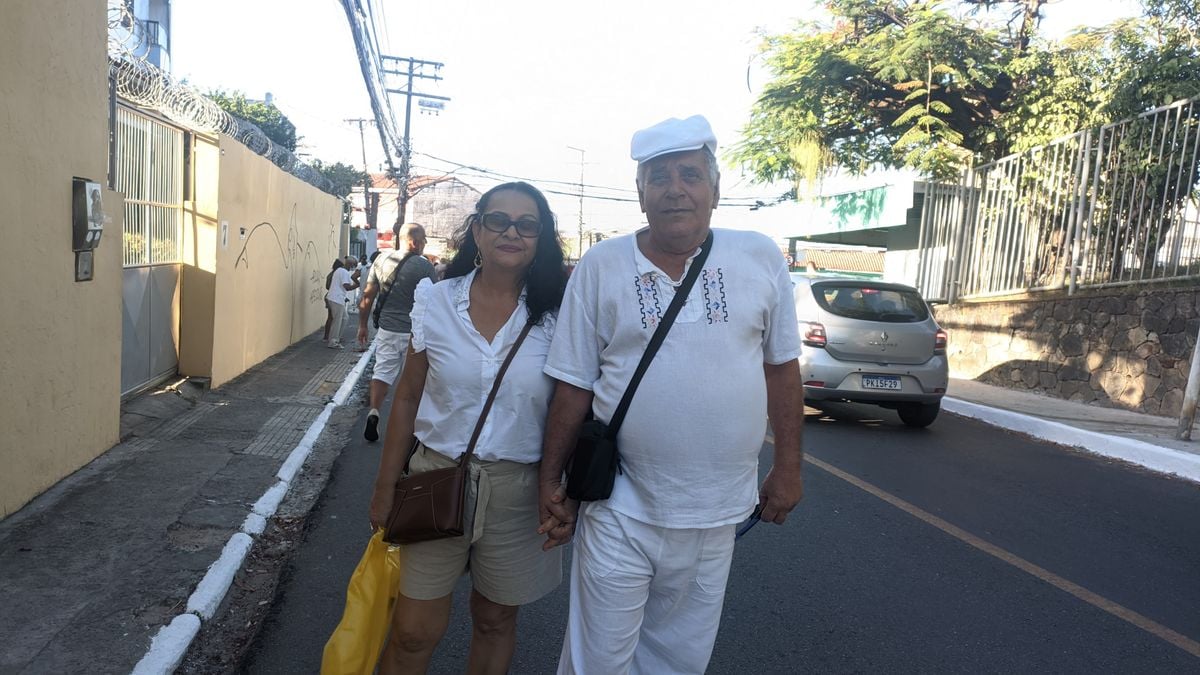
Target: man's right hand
<point x="362" y="335"/>
<point x="557" y="514"/>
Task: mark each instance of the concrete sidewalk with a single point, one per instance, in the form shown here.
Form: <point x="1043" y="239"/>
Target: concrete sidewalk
<point x="93" y="568"/>
<point x="149" y="535"/>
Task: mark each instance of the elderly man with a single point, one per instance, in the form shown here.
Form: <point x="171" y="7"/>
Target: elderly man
<point x="393" y="279"/>
<point x="651" y="561"/>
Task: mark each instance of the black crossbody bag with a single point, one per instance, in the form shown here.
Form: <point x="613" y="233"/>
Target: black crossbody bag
<point x="391" y="285"/>
<point x="596" y="461"/>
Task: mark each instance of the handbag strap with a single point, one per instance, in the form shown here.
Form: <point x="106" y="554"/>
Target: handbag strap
<point x="487" y="405"/>
<point x="660" y="334"/>
<point x="391" y="283"/>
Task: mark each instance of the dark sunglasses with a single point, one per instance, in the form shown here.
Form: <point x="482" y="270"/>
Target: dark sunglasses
<point x="499" y="223"/>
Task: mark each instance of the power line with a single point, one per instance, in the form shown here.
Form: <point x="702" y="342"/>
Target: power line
<point x="489" y="173"/>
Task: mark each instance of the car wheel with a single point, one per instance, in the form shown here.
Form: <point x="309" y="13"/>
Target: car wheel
<point x="919" y="415"/>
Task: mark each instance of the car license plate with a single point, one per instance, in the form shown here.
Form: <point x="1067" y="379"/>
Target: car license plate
<point x="891" y="382"/>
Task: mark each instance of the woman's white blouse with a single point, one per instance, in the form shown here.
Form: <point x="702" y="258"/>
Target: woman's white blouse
<point x="462" y="367"/>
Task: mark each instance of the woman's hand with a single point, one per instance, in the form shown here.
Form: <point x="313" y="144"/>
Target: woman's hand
<point x="381" y="506"/>
<point x="557" y="514"/>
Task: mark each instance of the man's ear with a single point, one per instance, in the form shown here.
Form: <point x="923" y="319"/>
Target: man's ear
<point x="641" y="197"/>
<point x="717" y="191"/>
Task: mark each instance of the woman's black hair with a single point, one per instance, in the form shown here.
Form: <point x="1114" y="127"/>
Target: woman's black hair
<point x="547" y="276"/>
<point x="338" y="264"/>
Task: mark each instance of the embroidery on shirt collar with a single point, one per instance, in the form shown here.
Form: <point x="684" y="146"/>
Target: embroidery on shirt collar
<point x="714" y="295"/>
<point x="647" y="294"/>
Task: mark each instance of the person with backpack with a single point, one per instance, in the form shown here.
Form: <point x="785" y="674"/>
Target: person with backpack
<point x="387" y="300"/>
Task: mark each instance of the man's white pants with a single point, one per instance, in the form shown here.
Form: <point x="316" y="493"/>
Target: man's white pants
<point x="644" y="599"/>
<point x="338" y="311"/>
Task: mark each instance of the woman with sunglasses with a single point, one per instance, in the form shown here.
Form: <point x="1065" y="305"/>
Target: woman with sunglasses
<point x="508" y="272"/>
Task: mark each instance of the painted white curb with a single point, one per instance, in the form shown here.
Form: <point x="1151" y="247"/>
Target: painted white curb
<point x="344" y="392"/>
<point x="171" y="643"/>
<point x="168" y="646"/>
<point x="212" y="588"/>
<point x="300" y="453"/>
<point x="254" y="524"/>
<point x="266" y="504"/>
<point x="1148" y="455"/>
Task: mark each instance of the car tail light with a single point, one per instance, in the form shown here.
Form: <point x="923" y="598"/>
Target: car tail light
<point x="814" y="335"/>
<point x="815" y="383"/>
<point x="939" y="341"/>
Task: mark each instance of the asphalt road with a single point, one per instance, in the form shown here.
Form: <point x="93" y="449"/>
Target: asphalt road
<point x="958" y="548"/>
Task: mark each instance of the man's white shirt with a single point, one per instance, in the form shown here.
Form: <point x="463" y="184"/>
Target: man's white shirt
<point x="690" y="442"/>
<point x="337" y="292"/>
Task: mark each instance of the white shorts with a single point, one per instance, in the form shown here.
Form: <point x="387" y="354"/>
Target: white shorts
<point x="644" y="599"/>
<point x="390" y="348"/>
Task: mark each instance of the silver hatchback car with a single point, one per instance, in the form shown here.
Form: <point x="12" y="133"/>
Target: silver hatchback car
<point x="871" y="342"/>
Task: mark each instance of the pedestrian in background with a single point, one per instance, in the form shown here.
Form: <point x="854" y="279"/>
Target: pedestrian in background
<point x="339" y="286"/>
<point x="507" y="273"/>
<point x="651" y="561"/>
<point x="389" y="293"/>
<point x="359" y="280"/>
<point x="338" y="263"/>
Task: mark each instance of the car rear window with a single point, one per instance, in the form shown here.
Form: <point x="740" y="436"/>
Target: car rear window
<point x="860" y="301"/>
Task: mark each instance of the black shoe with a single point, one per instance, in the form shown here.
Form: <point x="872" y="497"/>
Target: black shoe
<point x="371" y="433"/>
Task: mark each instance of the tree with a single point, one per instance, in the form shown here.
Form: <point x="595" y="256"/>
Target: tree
<point x="343" y="176"/>
<point x="933" y="85"/>
<point x="273" y="123"/>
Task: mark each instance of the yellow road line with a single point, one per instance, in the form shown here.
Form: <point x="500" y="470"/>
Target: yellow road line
<point x="1124" y="613"/>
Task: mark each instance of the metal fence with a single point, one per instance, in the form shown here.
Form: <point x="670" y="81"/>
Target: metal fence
<point x="1101" y="207"/>
<point x="149" y="171"/>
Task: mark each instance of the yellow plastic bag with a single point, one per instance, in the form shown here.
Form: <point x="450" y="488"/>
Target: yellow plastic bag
<point x="354" y="647"/>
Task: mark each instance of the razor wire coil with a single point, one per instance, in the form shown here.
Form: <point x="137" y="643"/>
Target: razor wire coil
<point x="146" y="85"/>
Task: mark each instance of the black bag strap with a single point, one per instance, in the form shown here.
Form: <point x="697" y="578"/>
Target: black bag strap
<point x="487" y="405"/>
<point x="390" y="285"/>
<point x="660" y="334"/>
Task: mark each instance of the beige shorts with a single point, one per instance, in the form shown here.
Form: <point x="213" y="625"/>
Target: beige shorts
<point x="500" y="546"/>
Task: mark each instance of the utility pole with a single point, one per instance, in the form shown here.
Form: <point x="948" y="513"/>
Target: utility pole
<point x="581" y="152"/>
<point x="416" y="70"/>
<point x="367" y="210"/>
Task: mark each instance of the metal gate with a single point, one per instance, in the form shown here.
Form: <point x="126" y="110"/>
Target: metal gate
<point x="1118" y="205"/>
<point x="149" y="171"/>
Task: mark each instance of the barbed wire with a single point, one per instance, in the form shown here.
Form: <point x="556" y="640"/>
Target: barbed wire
<point x="144" y="84"/>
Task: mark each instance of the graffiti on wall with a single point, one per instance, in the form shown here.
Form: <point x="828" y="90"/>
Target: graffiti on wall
<point x="303" y="261"/>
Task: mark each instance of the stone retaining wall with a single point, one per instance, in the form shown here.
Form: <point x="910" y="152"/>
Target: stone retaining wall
<point x="1118" y="348"/>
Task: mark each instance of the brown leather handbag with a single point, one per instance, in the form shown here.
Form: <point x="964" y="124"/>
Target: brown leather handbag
<point x="430" y="505"/>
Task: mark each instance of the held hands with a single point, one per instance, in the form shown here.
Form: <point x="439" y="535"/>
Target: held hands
<point x="782" y="489"/>
<point x="557" y="514"/>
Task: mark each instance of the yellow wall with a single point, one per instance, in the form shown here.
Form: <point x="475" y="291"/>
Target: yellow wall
<point x="198" y="272"/>
<point x="269" y="288"/>
<point x="60" y="371"/>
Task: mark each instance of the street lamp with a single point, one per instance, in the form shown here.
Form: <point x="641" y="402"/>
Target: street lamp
<point x="581" y="152"/>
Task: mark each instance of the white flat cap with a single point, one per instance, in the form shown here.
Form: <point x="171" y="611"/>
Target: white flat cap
<point x="672" y="135"/>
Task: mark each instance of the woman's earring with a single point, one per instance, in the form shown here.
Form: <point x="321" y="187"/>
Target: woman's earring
<point x="478" y="259"/>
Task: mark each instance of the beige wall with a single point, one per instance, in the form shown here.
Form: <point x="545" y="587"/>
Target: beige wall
<point x="269" y="287"/>
<point x="60" y="371"/>
<point x="198" y="281"/>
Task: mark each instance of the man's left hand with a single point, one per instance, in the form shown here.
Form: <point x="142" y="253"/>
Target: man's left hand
<point x="782" y="489"/>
